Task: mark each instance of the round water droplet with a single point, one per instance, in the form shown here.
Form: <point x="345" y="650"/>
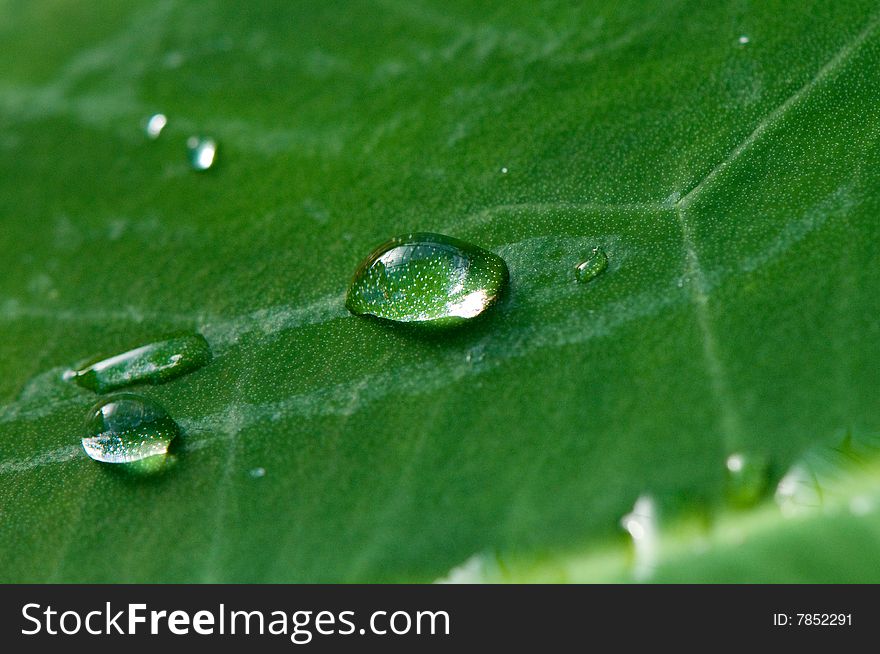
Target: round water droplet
<point x="128" y="428"/>
<point x="594" y="266"/>
<point x="153" y="363"/>
<point x="202" y="152"/>
<point x="155" y="125"/>
<point x="504" y="171"/>
<point x="256" y="473"/>
<point x="747" y="478"/>
<point x="743" y="40"/>
<point x="427" y="278"/>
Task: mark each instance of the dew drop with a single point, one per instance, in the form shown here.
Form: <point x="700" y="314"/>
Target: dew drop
<point x="504" y="170"/>
<point x="594" y="266"/>
<point x="153" y="363"/>
<point x="256" y="473"/>
<point x="747" y="478"/>
<point x="743" y="40"/>
<point x="427" y="278"/>
<point x="641" y="524"/>
<point x="128" y="428"/>
<point x="798" y="491"/>
<point x="155" y="125"/>
<point x="202" y="152"/>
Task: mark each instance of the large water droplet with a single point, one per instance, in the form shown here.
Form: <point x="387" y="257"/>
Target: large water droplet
<point x="202" y="152"/>
<point x="154" y="363"/>
<point x="594" y="266"/>
<point x="427" y="278"/>
<point x="747" y="478"/>
<point x="155" y="125"/>
<point x="128" y="428"/>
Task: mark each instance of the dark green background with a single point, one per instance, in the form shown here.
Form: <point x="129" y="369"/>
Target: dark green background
<point x="733" y="186"/>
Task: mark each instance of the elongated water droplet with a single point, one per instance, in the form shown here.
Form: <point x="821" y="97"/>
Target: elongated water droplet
<point x="427" y="278"/>
<point x="747" y="478"/>
<point x="202" y="152"/>
<point x="641" y="524"/>
<point x="155" y="125"/>
<point x="743" y="40"/>
<point x="128" y="428"/>
<point x="153" y="363"/>
<point x="592" y="267"/>
<point x="256" y="473"/>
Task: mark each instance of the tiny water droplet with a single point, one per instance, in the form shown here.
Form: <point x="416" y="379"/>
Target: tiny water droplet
<point x="504" y="170"/>
<point x="153" y="363"/>
<point x="641" y="524"/>
<point x="592" y="267"/>
<point x="155" y="125"/>
<point x="743" y="40"/>
<point x="747" y="478"/>
<point x="798" y="491"/>
<point x="128" y="428"/>
<point x="202" y="152"/>
<point x="256" y="473"/>
<point x="427" y="278"/>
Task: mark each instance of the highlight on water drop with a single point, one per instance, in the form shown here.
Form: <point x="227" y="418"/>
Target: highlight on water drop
<point x="153" y="363"/>
<point x="129" y="429"/>
<point x="591" y="267"/>
<point x="427" y="278"/>
<point x="202" y="152"/>
<point x="155" y="125"/>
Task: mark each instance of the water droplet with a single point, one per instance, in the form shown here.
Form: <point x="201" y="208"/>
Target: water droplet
<point x="798" y="491"/>
<point x="743" y="39"/>
<point x="155" y="125"/>
<point x="592" y="267"/>
<point x="427" y="278"/>
<point x="202" y="152"/>
<point x="128" y="428"/>
<point x="154" y="363"/>
<point x="641" y="523"/>
<point x="256" y="473"/>
<point x="504" y="171"/>
<point x="747" y="478"/>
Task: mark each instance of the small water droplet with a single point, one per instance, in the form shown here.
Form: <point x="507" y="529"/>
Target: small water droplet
<point x="153" y="363"/>
<point x="504" y="171"/>
<point x="155" y="125"/>
<point x="798" y="491"/>
<point x="680" y="283"/>
<point x="592" y="267"/>
<point x="128" y="428"/>
<point x="256" y="473"/>
<point x="747" y="478"/>
<point x="743" y="40"/>
<point x="427" y="278"/>
<point x="202" y="152"/>
<point x="641" y="523"/>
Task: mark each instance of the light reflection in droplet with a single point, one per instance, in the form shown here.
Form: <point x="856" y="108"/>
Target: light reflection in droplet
<point x="155" y="125"/>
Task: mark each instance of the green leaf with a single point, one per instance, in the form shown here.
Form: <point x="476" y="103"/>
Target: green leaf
<point x="732" y="185"/>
